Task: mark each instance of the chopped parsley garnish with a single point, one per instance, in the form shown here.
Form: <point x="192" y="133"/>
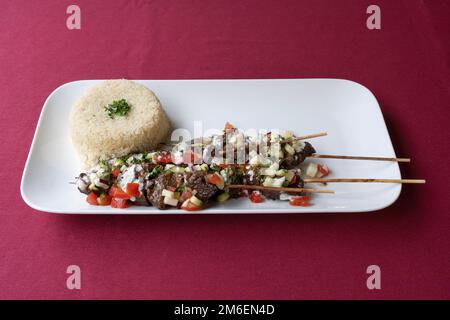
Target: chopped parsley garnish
<point x="118" y="108"/>
<point x="155" y="172"/>
<point x="236" y="177"/>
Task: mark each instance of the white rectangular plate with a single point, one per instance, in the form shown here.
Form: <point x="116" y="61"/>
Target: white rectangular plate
<point x="348" y="111"/>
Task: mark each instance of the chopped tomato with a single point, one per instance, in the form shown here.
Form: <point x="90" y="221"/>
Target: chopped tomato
<point x="104" y="199"/>
<point x="299" y="201"/>
<point x="256" y="197"/>
<point x="119" y="203"/>
<point x="323" y="169"/>
<point x="189" y="206"/>
<point x="228" y="126"/>
<point x="186" y="195"/>
<point x="112" y="190"/>
<point x="92" y="199"/>
<point x="170" y="188"/>
<point x="216" y="179"/>
<point x="213" y="178"/>
<point x="164" y="158"/>
<point x="118" y="193"/>
<point x="224" y="166"/>
<point x="133" y="189"/>
<point x="115" y="172"/>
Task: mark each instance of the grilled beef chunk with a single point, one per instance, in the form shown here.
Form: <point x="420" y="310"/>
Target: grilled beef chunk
<point x="165" y="180"/>
<point x="197" y="181"/>
<point x="308" y="150"/>
<point x="299" y="183"/>
<point x="148" y="190"/>
<point x="292" y="161"/>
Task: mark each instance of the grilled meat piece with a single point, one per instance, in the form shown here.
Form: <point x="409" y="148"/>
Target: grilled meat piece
<point x="292" y="161"/>
<point x="307" y="150"/>
<point x="164" y="180"/>
<point x="204" y="190"/>
<point x="148" y="190"/>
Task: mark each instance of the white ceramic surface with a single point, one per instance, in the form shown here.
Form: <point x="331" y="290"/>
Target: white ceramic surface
<point x="348" y="111"/>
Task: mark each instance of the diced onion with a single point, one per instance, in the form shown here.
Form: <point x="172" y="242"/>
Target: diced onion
<point x="171" y="201"/>
<point x="289" y="149"/>
<point x="167" y="193"/>
<point x="311" y="170"/>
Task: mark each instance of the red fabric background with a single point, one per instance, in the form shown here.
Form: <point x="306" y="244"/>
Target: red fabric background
<point x="405" y="64"/>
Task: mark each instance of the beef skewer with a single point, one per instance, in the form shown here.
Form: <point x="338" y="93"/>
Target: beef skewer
<point x="300" y="138"/>
<point x="161" y="179"/>
<point x="295" y="156"/>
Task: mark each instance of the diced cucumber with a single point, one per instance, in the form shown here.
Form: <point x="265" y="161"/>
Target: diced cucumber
<point x="268" y="172"/>
<point x="254" y="161"/>
<point x="223" y="197"/>
<point x="268" y="182"/>
<point x="168" y="167"/>
<point x="297" y="145"/>
<point x="260" y="160"/>
<point x="275" y="166"/>
<point x="204" y="167"/>
<point x="288" y="134"/>
<point x="177" y="169"/>
<point x="278" y="182"/>
<point x="196" y="201"/>
<point x="281" y="173"/>
<point x="119" y="163"/>
<point x="289" y="149"/>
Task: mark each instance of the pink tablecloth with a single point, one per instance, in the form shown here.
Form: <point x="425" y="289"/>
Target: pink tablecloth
<point x="405" y="64"/>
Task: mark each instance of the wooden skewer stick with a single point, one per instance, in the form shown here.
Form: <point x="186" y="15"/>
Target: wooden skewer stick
<point x="316" y="135"/>
<point x="403" y="181"/>
<point x="332" y="156"/>
<point x="256" y="187"/>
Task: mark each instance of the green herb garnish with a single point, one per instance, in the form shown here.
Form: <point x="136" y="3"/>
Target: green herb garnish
<point x="155" y="172"/>
<point x="118" y="108"/>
